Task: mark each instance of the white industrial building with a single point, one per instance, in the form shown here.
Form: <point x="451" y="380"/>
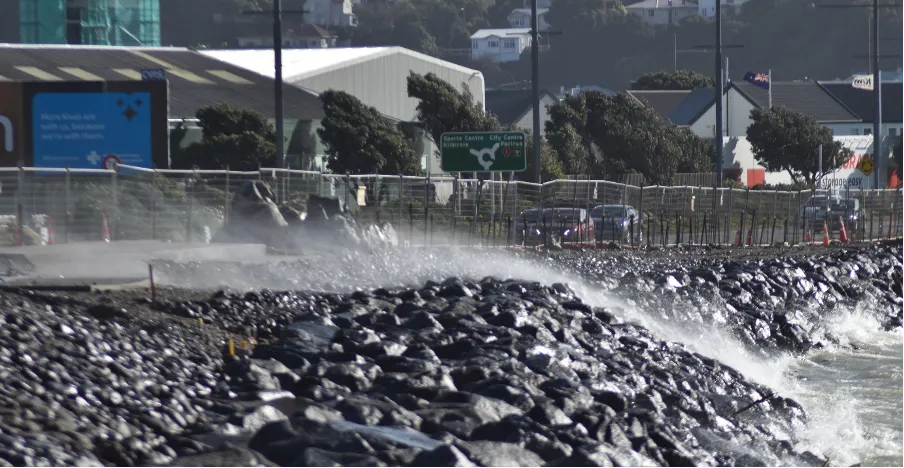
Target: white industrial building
<point x="378" y="76"/>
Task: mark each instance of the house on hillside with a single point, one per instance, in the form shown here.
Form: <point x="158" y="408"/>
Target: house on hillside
<point x="515" y="107"/>
<point x="662" y="13"/>
<point x="520" y="18"/>
<point x="500" y="45"/>
<point x="707" y="8"/>
<point x="330" y="13"/>
<point x="308" y="37"/>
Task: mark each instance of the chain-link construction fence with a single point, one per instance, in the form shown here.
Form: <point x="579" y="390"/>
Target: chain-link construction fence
<point x="60" y="205"/>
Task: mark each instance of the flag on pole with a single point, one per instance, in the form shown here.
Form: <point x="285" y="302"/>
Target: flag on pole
<point x="863" y="82"/>
<point x="760" y="79"/>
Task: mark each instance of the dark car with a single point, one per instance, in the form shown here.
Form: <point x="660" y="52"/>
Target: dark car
<point x="613" y="222"/>
<point x="821" y="209"/>
<point x="526" y="229"/>
<point x="562" y="224"/>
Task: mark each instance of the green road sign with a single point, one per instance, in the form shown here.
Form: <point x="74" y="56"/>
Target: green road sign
<point x="483" y="152"/>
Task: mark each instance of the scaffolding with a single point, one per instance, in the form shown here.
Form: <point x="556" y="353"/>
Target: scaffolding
<point x="90" y="22"/>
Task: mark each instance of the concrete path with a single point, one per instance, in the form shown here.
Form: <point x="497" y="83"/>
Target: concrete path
<point x="109" y="263"/>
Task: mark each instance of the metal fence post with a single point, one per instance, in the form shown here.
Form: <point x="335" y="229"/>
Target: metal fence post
<point x="115" y="218"/>
<point x="426" y="206"/>
<point x="191" y="209"/>
<point x="154" y="199"/>
<point x="401" y="196"/>
<point x="226" y="197"/>
<point x="67" y="219"/>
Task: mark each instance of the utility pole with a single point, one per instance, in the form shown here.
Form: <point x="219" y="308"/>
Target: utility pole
<point x="720" y="89"/>
<point x="535" y="81"/>
<point x="877" y="83"/>
<point x="277" y="13"/>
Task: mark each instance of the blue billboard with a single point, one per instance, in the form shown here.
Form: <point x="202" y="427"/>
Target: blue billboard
<point x="91" y="130"/>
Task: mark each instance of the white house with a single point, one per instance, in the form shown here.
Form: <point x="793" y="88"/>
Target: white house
<point x="707" y="8"/>
<point x="330" y="13"/>
<point x="500" y="45"/>
<point x="520" y="18"/>
<point x="663" y="12"/>
<point x="309" y="37"/>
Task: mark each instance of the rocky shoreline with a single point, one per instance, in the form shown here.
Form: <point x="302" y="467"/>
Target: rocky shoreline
<point x="522" y="374"/>
<point x="468" y="371"/>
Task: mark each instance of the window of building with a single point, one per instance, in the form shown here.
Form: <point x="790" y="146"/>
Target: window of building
<point x="475" y="44"/>
<point x="855" y="131"/>
<point x="651" y="12"/>
<point x="509" y="43"/>
<point x="494" y="44"/>
<point x="892" y="131"/>
<point x="867" y="131"/>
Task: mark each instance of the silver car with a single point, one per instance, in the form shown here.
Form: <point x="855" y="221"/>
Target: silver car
<point x="613" y="222"/>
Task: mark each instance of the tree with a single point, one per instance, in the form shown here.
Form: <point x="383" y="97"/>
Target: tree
<point x="679" y="80"/>
<point x="240" y="139"/>
<point x="442" y="108"/>
<point x="360" y="140"/>
<point x="785" y="140"/>
<point x="550" y="166"/>
<point x="566" y="132"/>
<point x="623" y="136"/>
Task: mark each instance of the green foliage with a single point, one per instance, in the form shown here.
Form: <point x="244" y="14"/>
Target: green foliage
<point x="551" y="167"/>
<point x="679" y="80"/>
<point x="628" y="137"/>
<point x="785" y="140"/>
<point x="443" y="108"/>
<point x="360" y="140"/>
<point x="240" y="139"/>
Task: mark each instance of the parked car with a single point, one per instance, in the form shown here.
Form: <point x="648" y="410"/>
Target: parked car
<point x="613" y="222"/>
<point x="820" y="208"/>
<point x="526" y="229"/>
<point x="563" y="224"/>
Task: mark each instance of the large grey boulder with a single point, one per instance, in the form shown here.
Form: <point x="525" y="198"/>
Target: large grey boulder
<point x="253" y="216"/>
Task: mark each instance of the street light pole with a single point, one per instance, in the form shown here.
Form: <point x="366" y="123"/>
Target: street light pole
<point x="719" y="91"/>
<point x="535" y="84"/>
<point x="877" y="96"/>
<point x="278" y="75"/>
<point x="877" y="83"/>
<point x="535" y="81"/>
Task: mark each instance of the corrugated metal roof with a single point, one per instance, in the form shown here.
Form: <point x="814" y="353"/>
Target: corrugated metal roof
<point x="500" y="33"/>
<point x="806" y="97"/>
<point x="299" y="64"/>
<point x="661" y="101"/>
<point x="195" y="80"/>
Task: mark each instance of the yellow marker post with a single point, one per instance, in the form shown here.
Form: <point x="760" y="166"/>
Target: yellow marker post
<point x="243" y="344"/>
<point x="201" y="321"/>
<point x="231" y="348"/>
